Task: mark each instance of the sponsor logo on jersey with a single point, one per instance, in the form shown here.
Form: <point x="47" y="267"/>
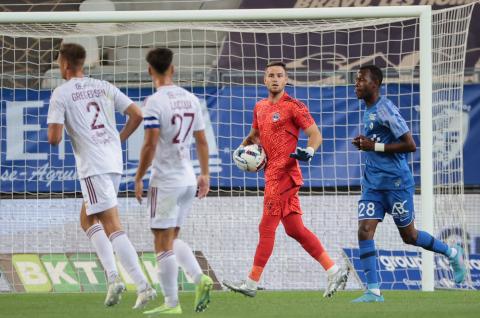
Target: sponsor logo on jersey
<point x="398" y="209"/>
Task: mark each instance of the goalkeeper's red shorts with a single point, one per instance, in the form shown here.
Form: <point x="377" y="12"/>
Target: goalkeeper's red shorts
<point x="281" y="197"/>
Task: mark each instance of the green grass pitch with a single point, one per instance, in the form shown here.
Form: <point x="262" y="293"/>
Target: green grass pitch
<point x="267" y="304"/>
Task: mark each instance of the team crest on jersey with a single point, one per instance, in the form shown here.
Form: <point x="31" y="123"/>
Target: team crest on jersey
<point x="276" y="117"/>
<point x="370" y="126"/>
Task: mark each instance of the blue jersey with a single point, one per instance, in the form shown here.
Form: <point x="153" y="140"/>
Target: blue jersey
<point x="385" y="171"/>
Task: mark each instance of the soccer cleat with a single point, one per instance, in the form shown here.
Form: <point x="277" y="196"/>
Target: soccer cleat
<point x="114" y="292"/>
<point x="144" y="297"/>
<point x="369" y="297"/>
<point x="336" y="281"/>
<point x="164" y="310"/>
<point x="458" y="265"/>
<point x="202" y="293"/>
<point x="240" y="287"/>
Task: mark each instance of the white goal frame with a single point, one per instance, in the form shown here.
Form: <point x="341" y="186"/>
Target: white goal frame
<point x="423" y="12"/>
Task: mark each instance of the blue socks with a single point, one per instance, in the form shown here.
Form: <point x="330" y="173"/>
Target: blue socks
<point x="368" y="258"/>
<point x="430" y="243"/>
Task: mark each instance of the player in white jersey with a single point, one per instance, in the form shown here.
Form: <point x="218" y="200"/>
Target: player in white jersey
<point x="87" y="108"/>
<point x="172" y="119"/>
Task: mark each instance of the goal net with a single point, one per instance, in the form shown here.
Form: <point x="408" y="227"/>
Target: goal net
<point x="42" y="247"/>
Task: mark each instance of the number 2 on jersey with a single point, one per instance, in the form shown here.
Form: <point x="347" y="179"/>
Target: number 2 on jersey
<point x="176" y="139"/>
<point x="97" y="111"/>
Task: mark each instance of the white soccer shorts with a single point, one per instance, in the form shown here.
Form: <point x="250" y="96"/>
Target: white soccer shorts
<point x="100" y="192"/>
<point x="169" y="206"/>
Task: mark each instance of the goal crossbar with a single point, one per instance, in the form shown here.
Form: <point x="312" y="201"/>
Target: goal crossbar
<point x="212" y="15"/>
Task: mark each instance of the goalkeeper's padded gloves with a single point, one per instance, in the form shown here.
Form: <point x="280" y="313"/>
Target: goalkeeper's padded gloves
<point x="303" y="154"/>
<point x="237" y="158"/>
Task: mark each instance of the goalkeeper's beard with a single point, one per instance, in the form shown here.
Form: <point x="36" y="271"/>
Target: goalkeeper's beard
<point x="275" y="93"/>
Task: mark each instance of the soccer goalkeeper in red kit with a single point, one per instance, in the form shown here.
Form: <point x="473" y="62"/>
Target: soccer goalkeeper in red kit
<point x="277" y="121"/>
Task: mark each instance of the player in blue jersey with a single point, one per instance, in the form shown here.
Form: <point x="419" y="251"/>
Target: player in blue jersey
<point x="387" y="183"/>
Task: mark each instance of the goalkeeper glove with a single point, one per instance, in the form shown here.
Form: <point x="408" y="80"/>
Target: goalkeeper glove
<point x="237" y="158"/>
<point x="303" y="154"/>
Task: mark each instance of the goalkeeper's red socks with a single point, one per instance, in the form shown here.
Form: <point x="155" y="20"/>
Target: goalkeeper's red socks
<point x="326" y="262"/>
<point x="256" y="273"/>
<point x="294" y="228"/>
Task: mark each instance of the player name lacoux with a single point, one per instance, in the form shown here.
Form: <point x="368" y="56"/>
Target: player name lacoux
<point x="88" y="94"/>
<point x="181" y="104"/>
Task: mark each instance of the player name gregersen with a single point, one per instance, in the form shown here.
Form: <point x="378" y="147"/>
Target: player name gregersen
<point x="88" y="94"/>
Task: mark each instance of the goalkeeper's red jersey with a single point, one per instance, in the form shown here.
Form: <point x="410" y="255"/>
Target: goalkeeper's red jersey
<point x="279" y="125"/>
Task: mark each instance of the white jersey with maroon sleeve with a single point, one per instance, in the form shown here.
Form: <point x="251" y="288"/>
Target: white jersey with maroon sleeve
<point x="87" y="108"/>
<point x="177" y="113"/>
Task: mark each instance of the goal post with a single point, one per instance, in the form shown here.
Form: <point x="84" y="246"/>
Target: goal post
<point x="426" y="140"/>
<point x="206" y="44"/>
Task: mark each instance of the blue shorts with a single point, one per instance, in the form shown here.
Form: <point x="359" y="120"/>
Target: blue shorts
<point x="374" y="204"/>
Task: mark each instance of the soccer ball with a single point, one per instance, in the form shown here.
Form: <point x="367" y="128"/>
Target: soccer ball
<point x="255" y="157"/>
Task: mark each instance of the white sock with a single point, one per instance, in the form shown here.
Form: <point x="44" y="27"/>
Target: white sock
<point x="168" y="277"/>
<point x="129" y="258"/>
<point x="104" y="250"/>
<point x="332" y="270"/>
<point x="187" y="260"/>
<point x="250" y="283"/>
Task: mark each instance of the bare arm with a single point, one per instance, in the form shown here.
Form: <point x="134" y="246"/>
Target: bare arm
<point x="406" y="144"/>
<point x="252" y="138"/>
<point x="55" y="132"/>
<point x="135" y="117"/>
<point x="202" y="154"/>
<point x="146" y="156"/>
<point x="314" y="137"/>
<point x="202" y="151"/>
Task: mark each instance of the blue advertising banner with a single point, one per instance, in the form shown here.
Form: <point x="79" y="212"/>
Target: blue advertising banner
<point x="29" y="164"/>
<point x="471" y="151"/>
<point x="401" y="269"/>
